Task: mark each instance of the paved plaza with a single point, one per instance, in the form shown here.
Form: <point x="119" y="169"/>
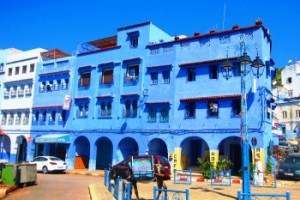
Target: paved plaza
<point x="203" y="190"/>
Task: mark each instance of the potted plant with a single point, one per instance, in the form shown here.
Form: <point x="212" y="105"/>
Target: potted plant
<point x="269" y="176"/>
<point x="223" y="166"/>
<point x="205" y="166"/>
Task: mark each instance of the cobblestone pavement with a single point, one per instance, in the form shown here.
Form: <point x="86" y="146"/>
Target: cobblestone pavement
<point x="204" y="191"/>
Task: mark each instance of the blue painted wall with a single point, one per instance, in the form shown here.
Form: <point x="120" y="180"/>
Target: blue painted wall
<point x="157" y="52"/>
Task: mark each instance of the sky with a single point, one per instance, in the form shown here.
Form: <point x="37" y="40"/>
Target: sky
<point x="64" y="24"/>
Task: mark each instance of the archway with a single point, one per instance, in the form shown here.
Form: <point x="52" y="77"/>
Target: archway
<point x="5" y="147"/>
<point x="230" y="148"/>
<point x="21" y="153"/>
<point x="192" y="149"/>
<point x="128" y="147"/>
<point x="104" y="153"/>
<point x="82" y="150"/>
<point x="158" y="147"/>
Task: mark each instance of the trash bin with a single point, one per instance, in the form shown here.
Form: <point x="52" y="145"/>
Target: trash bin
<point x="19" y="174"/>
<point x="26" y="174"/>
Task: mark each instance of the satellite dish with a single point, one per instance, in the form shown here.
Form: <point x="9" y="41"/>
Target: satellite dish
<point x="274" y="82"/>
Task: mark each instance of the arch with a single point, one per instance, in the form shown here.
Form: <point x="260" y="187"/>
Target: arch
<point x="192" y="149"/>
<point x="5" y="147"/>
<point x="104" y="153"/>
<point x="128" y="147"/>
<point x="230" y="148"/>
<point x="82" y="151"/>
<point x="21" y="153"/>
<point x="158" y="147"/>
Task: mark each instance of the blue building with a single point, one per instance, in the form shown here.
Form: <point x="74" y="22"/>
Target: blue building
<point x="143" y="91"/>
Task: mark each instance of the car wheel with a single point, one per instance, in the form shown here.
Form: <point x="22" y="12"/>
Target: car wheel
<point x="45" y="170"/>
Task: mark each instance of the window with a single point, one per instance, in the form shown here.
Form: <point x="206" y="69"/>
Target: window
<point x="107" y="76"/>
<point x="26" y="118"/>
<point x="56" y="85"/>
<point x="134" y="41"/>
<point x="13" y="91"/>
<point x="289" y="80"/>
<point x="85" y="79"/>
<point x="290" y="93"/>
<point x="130" y="109"/>
<point x="213" y="72"/>
<point x="105" y="109"/>
<point x="10" y="119"/>
<point x="24" y="69"/>
<point x="17" y="71"/>
<point x="191" y="75"/>
<point x="43" y="87"/>
<point x="36" y="116"/>
<point x="297" y="113"/>
<point x="52" y="115"/>
<point x="190" y="110"/>
<point x="31" y="69"/>
<point x="6" y="92"/>
<point x="21" y="90"/>
<point x="284" y="114"/>
<point x="166" y="77"/>
<point x="65" y="84"/>
<point x="164" y="115"/>
<point x="3" y="119"/>
<point x="18" y="119"/>
<point x="154" y="78"/>
<point x="49" y="86"/>
<point x="43" y="116"/>
<point x="83" y="110"/>
<point x="10" y="71"/>
<point x="28" y="89"/>
<point x="1" y="67"/>
<point x="213" y="108"/>
<point x="236" y="106"/>
<point x="132" y="73"/>
<point x="62" y="116"/>
<point x="152" y="114"/>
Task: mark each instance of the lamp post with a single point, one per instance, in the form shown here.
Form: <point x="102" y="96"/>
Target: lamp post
<point x="256" y="65"/>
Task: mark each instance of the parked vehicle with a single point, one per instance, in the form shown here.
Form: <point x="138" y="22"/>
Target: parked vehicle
<point x="47" y="164"/>
<point x="289" y="167"/>
<point x="163" y="161"/>
<point x="287" y="147"/>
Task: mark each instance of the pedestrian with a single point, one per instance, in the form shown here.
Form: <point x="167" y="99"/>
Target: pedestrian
<point x="258" y="173"/>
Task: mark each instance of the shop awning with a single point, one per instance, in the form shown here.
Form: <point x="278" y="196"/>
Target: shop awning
<point x="54" y="138"/>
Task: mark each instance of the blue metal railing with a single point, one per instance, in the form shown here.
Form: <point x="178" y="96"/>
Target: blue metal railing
<point x="125" y="189"/>
<point x="167" y="194"/>
<point x="241" y="195"/>
<point x="183" y="176"/>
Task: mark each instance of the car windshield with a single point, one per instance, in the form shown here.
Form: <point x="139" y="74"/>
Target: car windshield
<point x="283" y="144"/>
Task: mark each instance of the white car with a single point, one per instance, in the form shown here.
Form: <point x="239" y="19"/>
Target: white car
<point x="47" y="164"/>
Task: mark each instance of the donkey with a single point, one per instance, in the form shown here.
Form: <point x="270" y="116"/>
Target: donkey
<point x="125" y="172"/>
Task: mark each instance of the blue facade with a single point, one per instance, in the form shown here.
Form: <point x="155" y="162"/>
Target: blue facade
<point x="143" y="91"/>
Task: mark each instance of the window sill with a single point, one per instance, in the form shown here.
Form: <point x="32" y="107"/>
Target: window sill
<point x="105" y="117"/>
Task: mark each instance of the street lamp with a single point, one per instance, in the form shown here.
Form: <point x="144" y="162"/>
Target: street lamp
<point x="256" y="65"/>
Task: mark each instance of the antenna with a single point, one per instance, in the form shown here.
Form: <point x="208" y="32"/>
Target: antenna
<point x="224" y="15"/>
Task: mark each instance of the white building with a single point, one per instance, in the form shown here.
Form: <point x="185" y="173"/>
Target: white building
<point x="288" y="102"/>
<point x="16" y="100"/>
